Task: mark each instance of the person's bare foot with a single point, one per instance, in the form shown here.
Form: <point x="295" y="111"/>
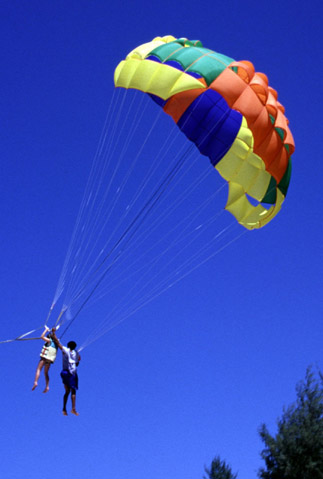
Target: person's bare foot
<point x="64" y="413"/>
<point x="73" y="411"/>
<point x="34" y="386"/>
<point x="46" y="389"/>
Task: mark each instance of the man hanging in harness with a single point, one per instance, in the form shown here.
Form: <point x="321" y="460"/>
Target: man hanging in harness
<point x="71" y="359"/>
<point x="47" y="357"/>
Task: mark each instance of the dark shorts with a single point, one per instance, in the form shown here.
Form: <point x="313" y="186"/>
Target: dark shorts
<point x="70" y="380"/>
<point x="46" y="361"/>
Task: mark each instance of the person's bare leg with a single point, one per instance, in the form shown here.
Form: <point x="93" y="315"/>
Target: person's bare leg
<point x="67" y="392"/>
<point x="73" y="396"/>
<point x="38" y="370"/>
<point x="46" y="369"/>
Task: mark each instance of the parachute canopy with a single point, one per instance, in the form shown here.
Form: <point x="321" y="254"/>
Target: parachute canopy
<point x="228" y="111"/>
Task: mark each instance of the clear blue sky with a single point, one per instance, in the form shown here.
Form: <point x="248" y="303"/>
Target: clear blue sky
<point x="195" y="372"/>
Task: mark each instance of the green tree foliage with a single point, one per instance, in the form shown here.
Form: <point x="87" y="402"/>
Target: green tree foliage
<point x="219" y="470"/>
<point x="296" y="451"/>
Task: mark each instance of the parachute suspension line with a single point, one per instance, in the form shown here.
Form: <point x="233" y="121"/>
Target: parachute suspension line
<point x="152" y="279"/>
<point x="101" y="170"/>
<point x="129" y="207"/>
<point x="105" y="327"/>
<point x="160" y="155"/>
<point x="158" y="158"/>
<point x="198" y="180"/>
<point x="128" y="232"/>
<point x="58" y="321"/>
<point x="142" y="215"/>
<point x="166" y="284"/>
<point x="162" y="188"/>
<point x="163" y="151"/>
<point x="181" y="237"/>
<point x="147" y="300"/>
<point x="84" y="203"/>
<point x="104" y="274"/>
<point x="184" y="195"/>
<point x="95" y="179"/>
<point x="22" y="337"/>
<point x="103" y="226"/>
<point x="142" y="111"/>
<point x="140" y="189"/>
<point x="202" y="261"/>
<point x="111" y="209"/>
<point x="60" y="285"/>
<point x="144" y="289"/>
<point x="116" y="312"/>
<point x="170" y="208"/>
<point x="95" y="233"/>
<point x="131" y="204"/>
<point x="135" y="244"/>
<point x="99" y="281"/>
<point x="50" y="312"/>
<point x="69" y="294"/>
<point x="19" y="339"/>
<point x="199" y="253"/>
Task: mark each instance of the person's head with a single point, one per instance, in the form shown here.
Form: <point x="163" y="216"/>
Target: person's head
<point x="71" y="345"/>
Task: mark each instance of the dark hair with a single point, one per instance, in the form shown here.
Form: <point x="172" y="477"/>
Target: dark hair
<point x="71" y="345"/>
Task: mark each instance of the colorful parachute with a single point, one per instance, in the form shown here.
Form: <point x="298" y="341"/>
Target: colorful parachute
<point x="229" y="112"/>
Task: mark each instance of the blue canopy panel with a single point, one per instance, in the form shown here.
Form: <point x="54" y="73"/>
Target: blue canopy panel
<point x="211" y="124"/>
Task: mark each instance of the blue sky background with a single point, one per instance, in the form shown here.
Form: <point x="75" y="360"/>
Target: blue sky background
<point x="195" y="372"/>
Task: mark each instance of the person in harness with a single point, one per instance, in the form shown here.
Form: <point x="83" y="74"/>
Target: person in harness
<point x="47" y="357"/>
<point x="71" y="359"/>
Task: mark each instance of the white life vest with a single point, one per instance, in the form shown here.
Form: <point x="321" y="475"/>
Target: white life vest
<point x="48" y="352"/>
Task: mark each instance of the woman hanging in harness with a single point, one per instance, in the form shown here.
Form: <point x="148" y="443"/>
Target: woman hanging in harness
<point x="47" y="357"/>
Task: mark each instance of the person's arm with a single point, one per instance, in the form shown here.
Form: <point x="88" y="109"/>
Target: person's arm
<point x="56" y="340"/>
<point x="43" y="337"/>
